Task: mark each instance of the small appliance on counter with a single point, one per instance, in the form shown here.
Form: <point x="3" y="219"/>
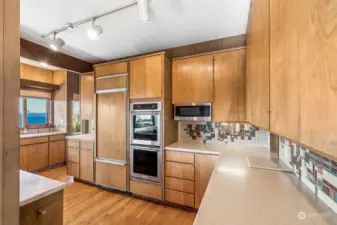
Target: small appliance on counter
<point x="193" y="112"/>
<point x="145" y="138"/>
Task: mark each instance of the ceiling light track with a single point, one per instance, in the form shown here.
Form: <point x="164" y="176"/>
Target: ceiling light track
<point x="90" y="19"/>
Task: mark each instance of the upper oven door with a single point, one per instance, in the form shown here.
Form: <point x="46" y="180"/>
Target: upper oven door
<point x="145" y="128"/>
<point x="200" y="112"/>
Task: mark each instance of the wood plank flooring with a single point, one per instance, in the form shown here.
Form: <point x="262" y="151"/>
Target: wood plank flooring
<point x="85" y="205"/>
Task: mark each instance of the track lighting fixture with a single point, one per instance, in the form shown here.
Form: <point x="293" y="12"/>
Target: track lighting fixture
<point x="57" y="43"/>
<point x="143" y="10"/>
<point x="94" y="31"/>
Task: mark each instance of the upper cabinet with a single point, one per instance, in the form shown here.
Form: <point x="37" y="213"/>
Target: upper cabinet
<point x="146" y="77"/>
<point x="113" y="68"/>
<point x="192" y="80"/>
<point x="258" y="65"/>
<point x="87" y="91"/>
<point x="229" y="86"/>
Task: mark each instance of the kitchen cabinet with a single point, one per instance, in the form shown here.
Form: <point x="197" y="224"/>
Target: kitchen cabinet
<point x="87" y="161"/>
<point x="80" y="160"/>
<point x="38" y="153"/>
<point x="57" y="152"/>
<point x="187" y="176"/>
<point x="87" y="91"/>
<point x="192" y="80"/>
<point x="34" y="157"/>
<point x="111" y="174"/>
<point x="229" y="86"/>
<point x="48" y="210"/>
<point x="111" y="82"/>
<point x="146" y="77"/>
<point x="111" y="125"/>
<point x="284" y="67"/>
<point x="258" y="65"/>
<point x="111" y="68"/>
<point x="148" y="190"/>
<point x="204" y="165"/>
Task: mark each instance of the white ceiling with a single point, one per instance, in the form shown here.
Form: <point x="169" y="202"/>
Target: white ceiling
<point x="173" y="23"/>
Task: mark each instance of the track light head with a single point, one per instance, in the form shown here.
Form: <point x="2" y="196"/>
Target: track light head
<point x="143" y="10"/>
<point x="94" y="32"/>
<point x="57" y="43"/>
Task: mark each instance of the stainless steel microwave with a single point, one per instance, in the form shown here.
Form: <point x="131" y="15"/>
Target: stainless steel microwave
<point x="193" y="112"/>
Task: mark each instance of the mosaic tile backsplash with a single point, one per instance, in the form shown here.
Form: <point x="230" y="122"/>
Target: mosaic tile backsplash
<point x="224" y="133"/>
<point x="317" y="172"/>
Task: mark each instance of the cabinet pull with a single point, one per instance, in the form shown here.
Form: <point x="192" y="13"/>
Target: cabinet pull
<point x="42" y="212"/>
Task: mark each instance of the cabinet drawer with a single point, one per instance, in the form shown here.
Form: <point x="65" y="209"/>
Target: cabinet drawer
<point x="87" y="145"/>
<point x="111" y="175"/>
<point x="180" y="198"/>
<point x="111" y="69"/>
<point x="179" y="170"/>
<point x="180" y="157"/>
<point x="73" y="143"/>
<point x="57" y="137"/>
<point x="36" y="140"/>
<point x="179" y="184"/>
<point x="114" y="82"/>
<point x="73" y="155"/>
<point x="146" y="189"/>
<point x="73" y="169"/>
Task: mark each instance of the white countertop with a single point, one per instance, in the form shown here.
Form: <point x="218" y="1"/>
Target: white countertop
<point x="22" y="136"/>
<point x="82" y="137"/>
<point x="240" y="195"/>
<point x="34" y="187"/>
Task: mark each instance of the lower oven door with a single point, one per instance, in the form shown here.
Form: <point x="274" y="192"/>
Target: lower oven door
<point x="146" y="163"/>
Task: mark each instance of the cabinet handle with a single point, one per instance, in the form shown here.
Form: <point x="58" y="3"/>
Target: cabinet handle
<point x="42" y="212"/>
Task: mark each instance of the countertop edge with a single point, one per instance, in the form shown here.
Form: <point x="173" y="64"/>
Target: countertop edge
<point x="45" y="194"/>
<point x="22" y="136"/>
<point x="192" y="151"/>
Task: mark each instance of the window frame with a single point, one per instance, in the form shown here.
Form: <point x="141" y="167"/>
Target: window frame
<point x="50" y="109"/>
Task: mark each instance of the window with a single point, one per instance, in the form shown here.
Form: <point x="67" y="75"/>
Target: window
<point x="76" y="121"/>
<point x="34" y="112"/>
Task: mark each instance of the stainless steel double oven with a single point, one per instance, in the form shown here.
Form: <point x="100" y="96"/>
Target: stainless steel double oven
<point x="145" y="137"/>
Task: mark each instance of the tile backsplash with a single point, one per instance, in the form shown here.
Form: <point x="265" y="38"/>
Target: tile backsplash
<point x="317" y="172"/>
<point x="223" y="133"/>
<point x="41" y="130"/>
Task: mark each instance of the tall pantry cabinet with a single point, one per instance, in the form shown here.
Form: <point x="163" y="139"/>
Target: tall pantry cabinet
<point x="112" y="104"/>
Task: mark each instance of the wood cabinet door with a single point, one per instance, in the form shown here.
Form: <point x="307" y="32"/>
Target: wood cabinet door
<point x="111" y="175"/>
<point x="258" y="65"/>
<point x="34" y="157"/>
<point x="111" y="69"/>
<point x="87" y="91"/>
<point x="204" y="165"/>
<point x="284" y="66"/>
<point x="73" y="169"/>
<point x="111" y="126"/>
<point x="146" y="77"/>
<point x="57" y="153"/>
<point x="48" y="210"/>
<point x="87" y="165"/>
<point x="229" y="92"/>
<point x="192" y="80"/>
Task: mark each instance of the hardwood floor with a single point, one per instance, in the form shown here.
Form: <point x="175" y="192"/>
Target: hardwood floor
<point x="85" y="204"/>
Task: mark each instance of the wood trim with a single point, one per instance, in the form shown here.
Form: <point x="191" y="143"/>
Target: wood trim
<point x="210" y="53"/>
<point x="40" y="53"/>
<point x="38" y="85"/>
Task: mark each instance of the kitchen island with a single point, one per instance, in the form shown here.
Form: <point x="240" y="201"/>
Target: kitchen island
<point x="41" y="200"/>
<point x="240" y="195"/>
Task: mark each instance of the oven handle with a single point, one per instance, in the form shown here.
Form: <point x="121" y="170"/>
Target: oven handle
<point x="156" y="113"/>
<point x="146" y="148"/>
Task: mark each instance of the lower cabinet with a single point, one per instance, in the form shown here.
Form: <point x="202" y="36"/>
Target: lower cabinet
<point x="48" y="210"/>
<point x="57" y="152"/>
<point x="204" y="165"/>
<point x="80" y="159"/>
<point x="34" y="157"/>
<point x="187" y="176"/>
<point x="111" y="174"/>
<point x="149" y="190"/>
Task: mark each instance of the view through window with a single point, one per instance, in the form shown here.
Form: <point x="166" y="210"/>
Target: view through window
<point x="34" y="112"/>
<point x="76" y="123"/>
